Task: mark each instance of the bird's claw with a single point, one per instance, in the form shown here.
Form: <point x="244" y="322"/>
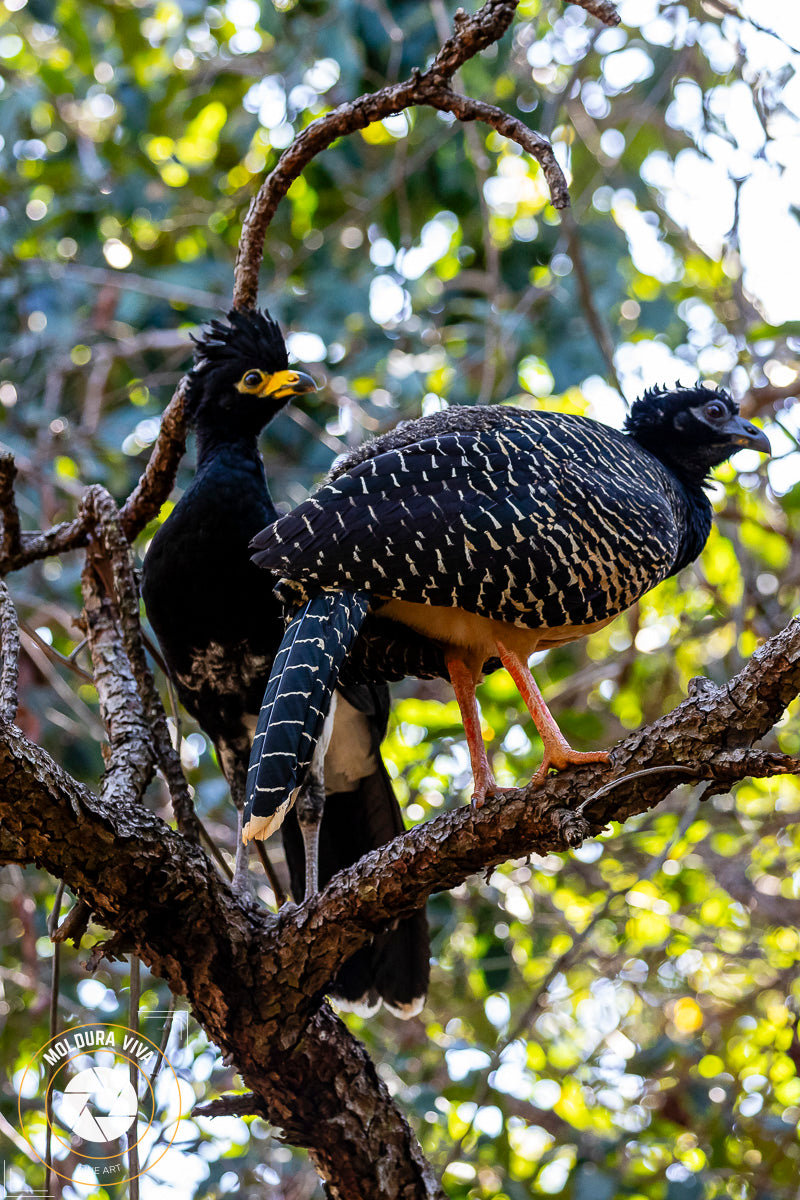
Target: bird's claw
<point x="486" y="788"/>
<point x="559" y="757"/>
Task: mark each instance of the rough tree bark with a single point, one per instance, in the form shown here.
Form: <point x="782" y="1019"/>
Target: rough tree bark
<point x="254" y="980"/>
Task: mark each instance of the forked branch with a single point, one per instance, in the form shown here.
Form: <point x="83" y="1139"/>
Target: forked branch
<point x="431" y="88"/>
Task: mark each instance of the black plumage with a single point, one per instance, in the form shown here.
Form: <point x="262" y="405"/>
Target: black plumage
<point x="490" y="533"/>
<point x="220" y="624"/>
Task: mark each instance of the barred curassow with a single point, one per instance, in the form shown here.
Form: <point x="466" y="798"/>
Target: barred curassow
<point x="484" y="534"/>
<point x="219" y="625"/>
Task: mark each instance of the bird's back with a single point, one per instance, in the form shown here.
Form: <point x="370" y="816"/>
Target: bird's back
<point x="539" y="520"/>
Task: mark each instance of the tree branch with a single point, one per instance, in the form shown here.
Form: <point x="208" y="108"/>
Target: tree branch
<point x="604" y="10"/>
<point x="156" y="482"/>
<point x="757" y="399"/>
<point x="256" y="981"/>
<point x="143" y="504"/>
<point x="8" y="507"/>
<point x="9" y="652"/>
<point x="112" y="547"/>
<point x="432" y="88"/>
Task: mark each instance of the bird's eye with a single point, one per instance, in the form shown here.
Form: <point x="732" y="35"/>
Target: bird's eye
<point x="252" y="379"/>
<point x="715" y="410"/>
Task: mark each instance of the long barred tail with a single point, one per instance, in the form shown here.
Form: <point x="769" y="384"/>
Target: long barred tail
<point x="296" y="703"/>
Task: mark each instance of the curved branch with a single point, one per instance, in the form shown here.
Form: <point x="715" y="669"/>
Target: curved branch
<point x="432" y="88"/>
<point x="157" y="479"/>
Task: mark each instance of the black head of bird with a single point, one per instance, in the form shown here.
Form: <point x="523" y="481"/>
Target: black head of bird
<point x="692" y="429"/>
<point x="241" y="376"/>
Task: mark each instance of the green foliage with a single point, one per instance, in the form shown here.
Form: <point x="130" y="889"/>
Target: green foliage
<point x="616" y="1023"/>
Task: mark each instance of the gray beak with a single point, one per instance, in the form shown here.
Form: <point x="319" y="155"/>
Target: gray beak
<point x="744" y="433"/>
<point x="305" y="383"/>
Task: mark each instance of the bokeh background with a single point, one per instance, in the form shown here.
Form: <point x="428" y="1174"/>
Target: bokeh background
<point x="619" y="1022"/>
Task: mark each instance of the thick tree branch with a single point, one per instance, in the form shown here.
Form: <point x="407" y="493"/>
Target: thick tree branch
<point x="130" y="759"/>
<point x="255" y="981"/>
<point x="111" y="547"/>
<point x="160" y="893"/>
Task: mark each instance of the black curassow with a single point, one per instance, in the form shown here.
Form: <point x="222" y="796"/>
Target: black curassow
<point x="219" y="625"/>
<point x="481" y="535"/>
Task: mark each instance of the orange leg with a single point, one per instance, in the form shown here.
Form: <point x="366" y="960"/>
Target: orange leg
<point x="557" y="751"/>
<point x="464" y="688"/>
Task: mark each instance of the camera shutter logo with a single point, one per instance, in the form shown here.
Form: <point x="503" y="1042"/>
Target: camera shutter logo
<point x="91" y="1110"/>
<point x="106" y="1089"/>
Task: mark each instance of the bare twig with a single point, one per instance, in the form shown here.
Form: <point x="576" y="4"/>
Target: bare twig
<point x="74" y="925"/>
<point x="432" y="88"/>
<point x="758" y="399"/>
<point x="269" y="871"/>
<point x="85" y="718"/>
<point x="105" y="354"/>
<point x="593" y="319"/>
<point x="132" y="1137"/>
<point x="55" y="977"/>
<point x="214" y="850"/>
<point x="9" y="651"/>
<point x="162" y="1046"/>
<point x="61" y="660"/>
<point x="125" y="281"/>
<point x="602" y="9"/>
<point x="625" y="779"/>
<point x="242" y="1104"/>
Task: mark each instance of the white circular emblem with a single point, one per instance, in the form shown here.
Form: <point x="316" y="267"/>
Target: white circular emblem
<point x="98" y="1104"/>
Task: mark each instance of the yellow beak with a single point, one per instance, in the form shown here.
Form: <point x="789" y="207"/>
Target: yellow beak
<point x="288" y="383"/>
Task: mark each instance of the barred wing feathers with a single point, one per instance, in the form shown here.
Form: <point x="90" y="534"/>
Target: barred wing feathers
<point x="545" y="521"/>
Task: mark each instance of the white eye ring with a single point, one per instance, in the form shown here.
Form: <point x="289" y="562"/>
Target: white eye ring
<point x="715" y="409"/>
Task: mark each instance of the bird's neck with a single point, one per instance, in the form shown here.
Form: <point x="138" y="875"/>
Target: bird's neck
<point x="213" y="441"/>
<point x="696" y="523"/>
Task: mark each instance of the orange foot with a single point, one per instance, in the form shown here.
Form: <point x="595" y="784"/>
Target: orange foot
<point x="558" y="757"/>
<point x="485" y="785"/>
